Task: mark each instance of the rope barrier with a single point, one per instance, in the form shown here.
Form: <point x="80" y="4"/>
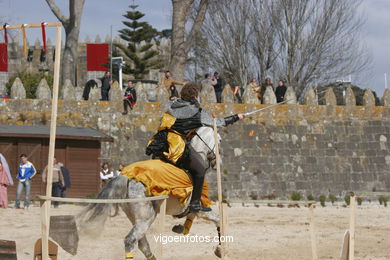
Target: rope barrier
<point x="79" y="200"/>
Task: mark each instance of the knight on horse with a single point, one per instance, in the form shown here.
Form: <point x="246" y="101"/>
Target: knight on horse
<point x="172" y="141"/>
<point x="184" y="141"/>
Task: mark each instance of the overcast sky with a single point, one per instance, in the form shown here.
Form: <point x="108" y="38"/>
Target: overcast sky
<point x="99" y="15"/>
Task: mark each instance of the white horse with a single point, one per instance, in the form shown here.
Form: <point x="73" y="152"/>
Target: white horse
<point x="143" y="214"/>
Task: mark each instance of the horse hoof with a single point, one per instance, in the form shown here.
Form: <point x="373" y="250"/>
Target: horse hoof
<point x="217" y="251"/>
<point x="178" y="229"/>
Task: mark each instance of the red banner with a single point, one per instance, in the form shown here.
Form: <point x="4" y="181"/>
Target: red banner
<point x="3" y="57"/>
<point x="97" y="56"/>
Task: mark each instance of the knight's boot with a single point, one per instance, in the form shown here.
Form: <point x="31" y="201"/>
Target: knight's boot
<point x="195" y="205"/>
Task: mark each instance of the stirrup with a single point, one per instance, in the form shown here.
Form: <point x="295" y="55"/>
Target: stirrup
<point x="198" y="208"/>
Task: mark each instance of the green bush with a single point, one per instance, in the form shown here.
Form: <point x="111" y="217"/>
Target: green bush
<point x="296" y="196"/>
<point x="332" y="198"/>
<point x="322" y="199"/>
<point x="30" y="82"/>
<point x="91" y="196"/>
<point x="310" y="197"/>
<point x="347" y="199"/>
<point x="359" y="201"/>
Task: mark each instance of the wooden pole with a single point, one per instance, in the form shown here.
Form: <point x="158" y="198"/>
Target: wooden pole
<point x="352" y="228"/>
<point x="163" y="209"/>
<point x="219" y="185"/>
<point x="45" y="207"/>
<point x="313" y="233"/>
<point x="225" y="227"/>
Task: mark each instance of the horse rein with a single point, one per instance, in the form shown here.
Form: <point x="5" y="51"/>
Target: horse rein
<point x="211" y="150"/>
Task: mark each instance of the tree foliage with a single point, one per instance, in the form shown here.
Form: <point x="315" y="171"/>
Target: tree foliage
<point x="30" y="82"/>
<point x="139" y="53"/>
<point x="304" y="42"/>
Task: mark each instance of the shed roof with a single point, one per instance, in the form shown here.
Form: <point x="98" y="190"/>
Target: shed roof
<point x="63" y="132"/>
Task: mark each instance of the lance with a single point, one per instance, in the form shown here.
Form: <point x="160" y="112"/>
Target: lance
<point x="265" y="108"/>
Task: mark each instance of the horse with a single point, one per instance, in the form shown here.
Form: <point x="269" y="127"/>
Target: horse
<point x="142" y="214"/>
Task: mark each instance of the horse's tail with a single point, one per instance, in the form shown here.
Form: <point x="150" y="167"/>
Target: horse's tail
<point x="97" y="213"/>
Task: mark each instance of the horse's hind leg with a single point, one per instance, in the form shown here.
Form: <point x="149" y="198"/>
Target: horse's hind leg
<point x="142" y="215"/>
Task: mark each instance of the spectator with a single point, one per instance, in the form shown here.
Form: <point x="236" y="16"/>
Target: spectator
<point x="106" y="174"/>
<point x="3" y="95"/>
<point x="57" y="180"/>
<point x="5" y="181"/>
<point x="118" y="172"/>
<point x="254" y="88"/>
<point x="90" y="84"/>
<point x="169" y="84"/>
<point x="218" y="87"/>
<point x="26" y="172"/>
<point x="280" y="91"/>
<point x="130" y="97"/>
<point x="237" y="94"/>
<point x="207" y="81"/>
<point x="66" y="174"/>
<point x="106" y="85"/>
<point x="267" y="83"/>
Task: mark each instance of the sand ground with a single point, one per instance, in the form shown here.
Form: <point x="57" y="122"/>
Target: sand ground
<point x="258" y="232"/>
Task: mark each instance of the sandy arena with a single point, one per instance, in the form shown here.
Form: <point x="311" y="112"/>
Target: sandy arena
<point x="259" y="233"/>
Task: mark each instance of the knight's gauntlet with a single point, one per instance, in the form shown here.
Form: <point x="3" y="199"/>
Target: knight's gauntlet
<point x="231" y="119"/>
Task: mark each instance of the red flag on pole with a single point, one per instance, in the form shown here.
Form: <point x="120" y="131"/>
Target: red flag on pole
<point x="43" y="36"/>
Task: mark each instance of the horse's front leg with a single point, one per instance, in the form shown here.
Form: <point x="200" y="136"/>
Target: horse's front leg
<point x="214" y="217"/>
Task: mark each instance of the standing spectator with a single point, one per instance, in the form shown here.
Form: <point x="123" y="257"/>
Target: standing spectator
<point x="254" y="88"/>
<point x="106" y="85"/>
<point x="5" y="181"/>
<point x="207" y="81"/>
<point x="106" y="174"/>
<point x="66" y="174"/>
<point x="267" y="83"/>
<point x="237" y="94"/>
<point x="218" y="87"/>
<point x="118" y="172"/>
<point x="25" y="173"/>
<point x="280" y="91"/>
<point x="130" y="97"/>
<point x="57" y="180"/>
<point x="90" y="84"/>
<point x="169" y="84"/>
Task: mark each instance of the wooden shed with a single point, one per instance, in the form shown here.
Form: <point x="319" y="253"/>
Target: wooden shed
<point x="76" y="147"/>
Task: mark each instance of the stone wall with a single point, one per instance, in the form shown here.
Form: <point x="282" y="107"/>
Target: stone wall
<point x="307" y="148"/>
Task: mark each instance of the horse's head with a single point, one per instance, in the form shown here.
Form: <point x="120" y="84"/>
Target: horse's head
<point x="204" y="144"/>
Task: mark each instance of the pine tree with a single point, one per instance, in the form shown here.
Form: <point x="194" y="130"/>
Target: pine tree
<point x="139" y="58"/>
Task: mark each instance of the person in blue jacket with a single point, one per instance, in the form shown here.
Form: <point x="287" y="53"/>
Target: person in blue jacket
<point x="26" y="172"/>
